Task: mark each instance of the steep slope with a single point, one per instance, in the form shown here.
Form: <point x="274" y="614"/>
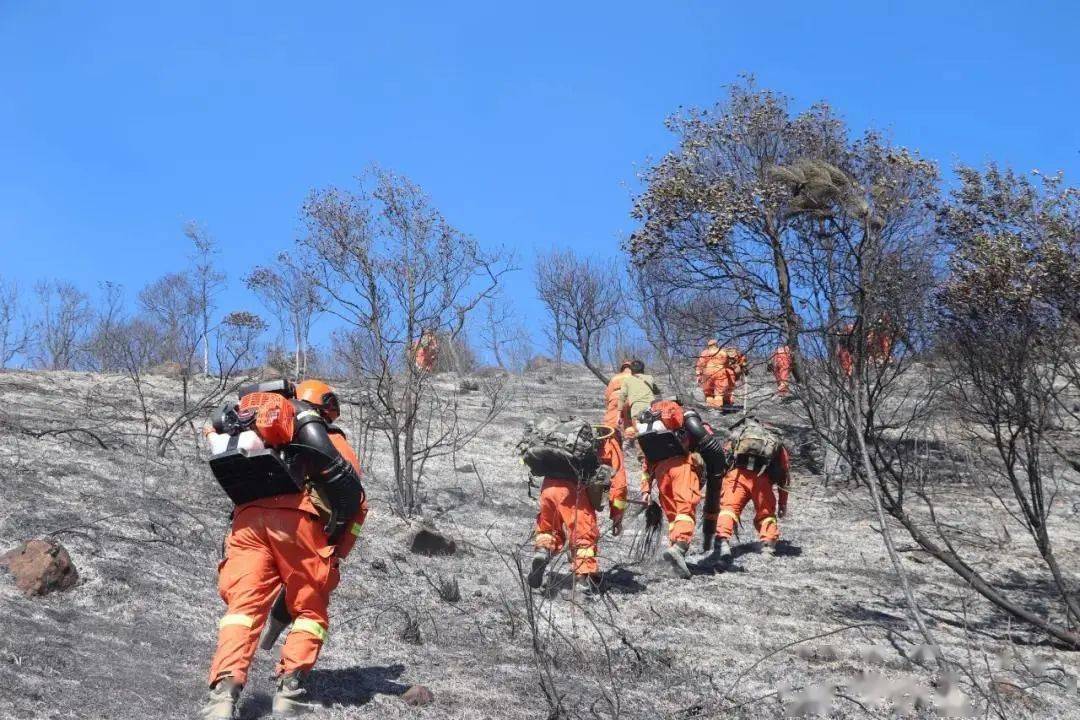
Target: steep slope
<point x="133" y="639"/>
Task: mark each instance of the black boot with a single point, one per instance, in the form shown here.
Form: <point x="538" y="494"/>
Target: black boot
<point x="540" y="561"/>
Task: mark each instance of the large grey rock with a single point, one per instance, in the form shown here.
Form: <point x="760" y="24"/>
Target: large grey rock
<point x="40" y="566"/>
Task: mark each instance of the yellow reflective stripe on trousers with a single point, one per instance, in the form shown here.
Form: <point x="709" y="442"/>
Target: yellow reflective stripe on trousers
<point x="544" y="536"/>
<point x="586" y="552"/>
<point x="309" y="626"/>
<point x="618" y="504"/>
<point x="236" y="619"/>
<point x="356" y="528"/>
<point x="767" y="520"/>
<point x="730" y="514"/>
<point x="681" y="517"/>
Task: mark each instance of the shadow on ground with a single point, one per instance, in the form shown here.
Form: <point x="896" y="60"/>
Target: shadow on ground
<point x="349" y="687"/>
<point x="356" y="685"/>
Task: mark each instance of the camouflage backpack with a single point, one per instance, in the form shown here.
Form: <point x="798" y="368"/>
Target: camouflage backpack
<point x="754" y="446"/>
<point x="562" y="448"/>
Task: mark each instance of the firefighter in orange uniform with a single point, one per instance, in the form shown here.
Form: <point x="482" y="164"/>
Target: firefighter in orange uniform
<point x="714" y="377"/>
<point x="780" y="364"/>
<point x="676" y="445"/>
<point x="757" y="462"/>
<point x="567" y="515"/>
<point x="843" y="349"/>
<point x="611" y="446"/>
<point x="291" y="539"/>
<point x="426" y="351"/>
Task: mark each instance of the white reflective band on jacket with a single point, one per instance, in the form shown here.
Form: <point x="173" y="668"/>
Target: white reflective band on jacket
<point x="309" y="626"/>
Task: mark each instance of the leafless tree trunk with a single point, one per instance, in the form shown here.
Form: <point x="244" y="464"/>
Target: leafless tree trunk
<point x="584" y="301"/>
<point x="62" y="325"/>
<point x="207" y="282"/>
<point x="14" y="332"/>
<point x="294" y="302"/>
<point x="172" y="304"/>
<point x="391" y="267"/>
<point x="235" y="348"/>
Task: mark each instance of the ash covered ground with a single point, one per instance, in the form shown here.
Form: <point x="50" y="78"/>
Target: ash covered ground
<point x="769" y="637"/>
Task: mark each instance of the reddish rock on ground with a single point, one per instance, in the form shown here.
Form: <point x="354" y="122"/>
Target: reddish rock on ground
<point x="40" y="566"/>
<point x="418" y="695"/>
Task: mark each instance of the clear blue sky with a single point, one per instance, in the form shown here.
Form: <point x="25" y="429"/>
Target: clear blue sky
<point x="526" y="122"/>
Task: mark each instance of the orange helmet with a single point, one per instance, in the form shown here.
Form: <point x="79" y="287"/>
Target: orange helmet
<point x="322" y="396"/>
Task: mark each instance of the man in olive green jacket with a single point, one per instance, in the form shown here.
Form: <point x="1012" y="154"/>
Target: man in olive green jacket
<point x="636" y="394"/>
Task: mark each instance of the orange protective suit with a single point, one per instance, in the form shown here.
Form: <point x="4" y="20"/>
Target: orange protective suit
<point x="741" y="486"/>
<point x="843" y="349"/>
<point x="679" y="489"/>
<point x="879" y="345"/>
<point x="611" y="454"/>
<point x="781" y="369"/>
<point x="273" y="542"/>
<point x="613" y="411"/>
<point x="714" y="377"/>
<point x="611" y="449"/>
<point x="718" y="370"/>
<point x="427" y="352"/>
<point x="567" y="514"/>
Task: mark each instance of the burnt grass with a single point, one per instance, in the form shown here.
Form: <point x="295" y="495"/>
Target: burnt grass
<point x="133" y="639"/>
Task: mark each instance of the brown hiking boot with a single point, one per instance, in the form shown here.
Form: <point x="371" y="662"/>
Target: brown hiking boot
<point x="291" y="699"/>
<point x="221" y="701"/>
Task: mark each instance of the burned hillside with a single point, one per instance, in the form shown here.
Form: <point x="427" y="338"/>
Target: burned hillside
<point x="822" y="628"/>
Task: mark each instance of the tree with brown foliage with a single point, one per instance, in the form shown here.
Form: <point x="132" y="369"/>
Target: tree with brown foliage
<point x="714" y="218"/>
<point x="1010" y="331"/>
